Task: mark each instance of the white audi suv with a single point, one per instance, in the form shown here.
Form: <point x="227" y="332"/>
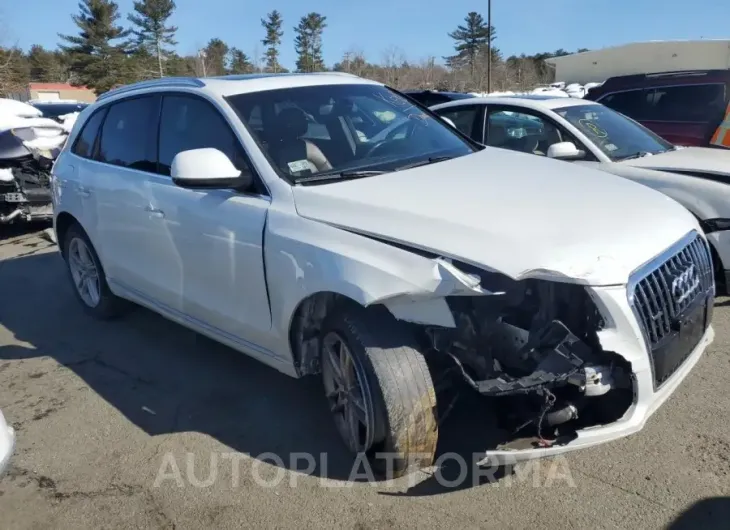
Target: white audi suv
<point x="326" y="224"/>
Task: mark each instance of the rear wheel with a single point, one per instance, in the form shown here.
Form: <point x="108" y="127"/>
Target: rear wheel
<point x="87" y="276"/>
<point x="379" y="390"/>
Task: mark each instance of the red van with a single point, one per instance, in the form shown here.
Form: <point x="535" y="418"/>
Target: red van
<point x="685" y="108"/>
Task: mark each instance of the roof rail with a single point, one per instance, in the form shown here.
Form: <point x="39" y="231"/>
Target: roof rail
<point x="346" y="74"/>
<point x="679" y="73"/>
<point x="265" y="75"/>
<point x="162" y="82"/>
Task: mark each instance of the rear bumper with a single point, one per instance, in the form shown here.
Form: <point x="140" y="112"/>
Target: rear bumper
<point x="646" y="403"/>
<point x="7" y="444"/>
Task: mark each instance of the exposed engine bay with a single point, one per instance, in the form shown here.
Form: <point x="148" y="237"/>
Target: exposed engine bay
<point x="28" y="148"/>
<point x="534" y="348"/>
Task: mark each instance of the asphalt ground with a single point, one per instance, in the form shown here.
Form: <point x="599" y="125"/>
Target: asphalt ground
<point x="140" y="423"/>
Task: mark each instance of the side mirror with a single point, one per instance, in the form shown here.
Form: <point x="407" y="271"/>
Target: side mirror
<point x="565" y="151"/>
<point x="449" y="121"/>
<point x="207" y="168"/>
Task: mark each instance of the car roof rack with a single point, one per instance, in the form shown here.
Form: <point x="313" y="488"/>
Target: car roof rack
<point x="196" y="82"/>
<point x="264" y="75"/>
<point x="162" y="82"/>
<point x="669" y="74"/>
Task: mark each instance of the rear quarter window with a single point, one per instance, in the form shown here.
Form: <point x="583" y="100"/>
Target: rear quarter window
<point x="84" y="144"/>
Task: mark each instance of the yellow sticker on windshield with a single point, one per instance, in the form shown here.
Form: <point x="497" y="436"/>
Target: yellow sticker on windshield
<point x="595" y="129"/>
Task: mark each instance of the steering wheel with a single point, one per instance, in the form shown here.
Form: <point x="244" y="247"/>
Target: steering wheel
<point x="407" y="128"/>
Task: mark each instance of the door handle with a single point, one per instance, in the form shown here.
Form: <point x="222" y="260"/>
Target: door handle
<point x="154" y="212"/>
<point x="84" y="192"/>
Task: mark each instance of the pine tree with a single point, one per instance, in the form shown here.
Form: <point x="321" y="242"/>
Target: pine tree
<point x="272" y="24"/>
<point x="97" y="53"/>
<point x="215" y="54"/>
<point x="471" y="39"/>
<point x="239" y="62"/>
<point x="152" y="33"/>
<point x="308" y="42"/>
<point x="46" y="66"/>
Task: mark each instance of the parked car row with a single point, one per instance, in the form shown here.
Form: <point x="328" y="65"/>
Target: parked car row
<point x="327" y="225"/>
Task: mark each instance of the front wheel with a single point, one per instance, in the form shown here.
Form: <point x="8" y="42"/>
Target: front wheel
<point x="379" y="390"/>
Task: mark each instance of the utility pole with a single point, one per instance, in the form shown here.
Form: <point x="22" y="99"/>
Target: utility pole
<point x="489" y="47"/>
<point x="202" y="55"/>
<point x="347" y="62"/>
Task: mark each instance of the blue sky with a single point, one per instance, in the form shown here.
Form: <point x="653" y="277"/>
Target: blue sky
<point x="373" y="26"/>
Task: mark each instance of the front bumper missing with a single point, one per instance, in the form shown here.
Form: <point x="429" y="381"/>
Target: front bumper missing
<point x="646" y="402"/>
<point x="15" y="207"/>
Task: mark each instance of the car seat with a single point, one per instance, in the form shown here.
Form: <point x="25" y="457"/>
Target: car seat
<point x="292" y="153"/>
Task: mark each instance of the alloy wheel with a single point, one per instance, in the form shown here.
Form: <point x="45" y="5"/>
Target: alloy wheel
<point x="84" y="272"/>
<point x="348" y="394"/>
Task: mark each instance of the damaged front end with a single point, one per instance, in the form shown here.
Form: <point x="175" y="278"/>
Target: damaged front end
<point x="533" y="346"/>
<point x="26" y="159"/>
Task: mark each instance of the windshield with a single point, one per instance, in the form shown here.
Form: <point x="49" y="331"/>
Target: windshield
<point x="350" y="129"/>
<point x="616" y="135"/>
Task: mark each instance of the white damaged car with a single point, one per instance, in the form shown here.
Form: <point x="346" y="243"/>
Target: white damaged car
<point x="269" y="213"/>
<point x="7" y="444"/>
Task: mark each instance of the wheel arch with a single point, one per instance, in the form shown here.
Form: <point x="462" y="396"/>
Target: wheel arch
<point x="64" y="221"/>
<point x="305" y="325"/>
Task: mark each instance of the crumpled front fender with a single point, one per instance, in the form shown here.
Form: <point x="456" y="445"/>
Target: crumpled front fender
<point x="307" y="257"/>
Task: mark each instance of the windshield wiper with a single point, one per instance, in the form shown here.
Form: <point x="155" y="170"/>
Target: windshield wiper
<point x="430" y="160"/>
<point x="342" y="175"/>
<point x="640" y="154"/>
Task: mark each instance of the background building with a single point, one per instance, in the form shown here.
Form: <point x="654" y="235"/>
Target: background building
<point x="55" y="92"/>
<point x="641" y="58"/>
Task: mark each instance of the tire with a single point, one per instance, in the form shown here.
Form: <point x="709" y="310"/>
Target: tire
<point x="104" y="306"/>
<point x="395" y="389"/>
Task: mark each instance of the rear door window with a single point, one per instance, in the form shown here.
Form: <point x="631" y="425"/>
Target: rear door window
<point x="686" y="103"/>
<point x="632" y="103"/>
<point x="129" y="134"/>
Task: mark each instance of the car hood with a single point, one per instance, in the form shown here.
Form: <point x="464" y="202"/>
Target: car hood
<point x="518" y="214"/>
<point x="688" y="159"/>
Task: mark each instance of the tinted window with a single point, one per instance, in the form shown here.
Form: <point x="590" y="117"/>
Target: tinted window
<point x="369" y="127"/>
<point x="465" y="119"/>
<point x="632" y="103"/>
<point x="193" y="123"/>
<point x="129" y="134"/>
<point x="429" y="100"/>
<point x="521" y="132"/>
<point x="688" y="103"/>
<point x="85" y="142"/>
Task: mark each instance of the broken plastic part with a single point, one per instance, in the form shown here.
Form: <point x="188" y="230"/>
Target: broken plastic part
<point x="562" y="356"/>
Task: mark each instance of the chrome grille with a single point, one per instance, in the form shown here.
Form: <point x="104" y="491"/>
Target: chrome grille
<point x="664" y="290"/>
<point x="669" y="289"/>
